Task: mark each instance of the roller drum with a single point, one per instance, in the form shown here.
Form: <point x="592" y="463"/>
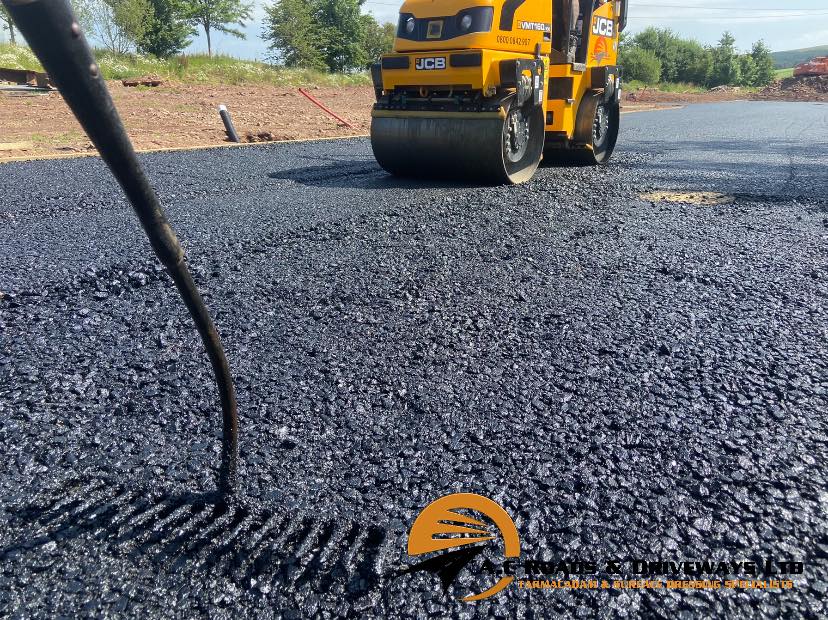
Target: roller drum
<point x="474" y="147"/>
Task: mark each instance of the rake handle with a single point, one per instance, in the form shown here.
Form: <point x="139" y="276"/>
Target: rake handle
<point x="52" y="32"/>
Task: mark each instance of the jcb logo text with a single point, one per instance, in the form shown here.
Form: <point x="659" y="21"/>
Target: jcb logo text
<point x="429" y="64"/>
<point x="603" y="27"/>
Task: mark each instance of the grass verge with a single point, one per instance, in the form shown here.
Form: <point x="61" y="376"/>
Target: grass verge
<point x="667" y="87"/>
<point x="681" y="87"/>
<point x="195" y="69"/>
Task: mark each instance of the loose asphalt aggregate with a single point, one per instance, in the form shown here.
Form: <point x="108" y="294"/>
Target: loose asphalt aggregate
<point x="627" y="377"/>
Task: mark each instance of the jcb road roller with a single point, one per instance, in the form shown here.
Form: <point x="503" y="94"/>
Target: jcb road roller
<point x="482" y="90"/>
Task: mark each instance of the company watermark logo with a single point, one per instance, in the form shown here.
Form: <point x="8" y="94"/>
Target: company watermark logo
<point x="460" y="527"/>
<point x="472" y="533"/>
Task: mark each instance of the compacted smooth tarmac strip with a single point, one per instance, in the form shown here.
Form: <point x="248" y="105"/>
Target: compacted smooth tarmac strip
<point x="628" y="376"/>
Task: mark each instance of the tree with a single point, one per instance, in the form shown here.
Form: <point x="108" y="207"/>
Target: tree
<point x="321" y="34"/>
<point x="168" y="31"/>
<point x="726" y="66"/>
<point x="84" y="11"/>
<point x="379" y="38"/>
<point x="295" y="37"/>
<point x="219" y="15"/>
<point x="625" y="41"/>
<point x="344" y="39"/>
<point x="662" y="42"/>
<point x="693" y="62"/>
<point x="7" y="22"/>
<point x="118" y="24"/>
<point x="747" y="70"/>
<point x="641" y="64"/>
<point x="104" y="28"/>
<point x="682" y="60"/>
<point x="763" y="60"/>
<point x="115" y="25"/>
<point x="699" y="67"/>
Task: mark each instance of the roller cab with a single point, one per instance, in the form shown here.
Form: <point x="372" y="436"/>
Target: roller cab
<point x="479" y="91"/>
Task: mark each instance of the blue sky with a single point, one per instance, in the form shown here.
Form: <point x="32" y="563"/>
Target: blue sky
<point x="783" y="25"/>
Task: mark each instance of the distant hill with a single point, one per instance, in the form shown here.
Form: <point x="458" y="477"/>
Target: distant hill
<point x="791" y="58"/>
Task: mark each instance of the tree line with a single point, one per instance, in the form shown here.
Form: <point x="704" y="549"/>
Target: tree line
<point x="330" y="35"/>
<point x="659" y="55"/>
<point x="334" y="35"/>
<point x="161" y="28"/>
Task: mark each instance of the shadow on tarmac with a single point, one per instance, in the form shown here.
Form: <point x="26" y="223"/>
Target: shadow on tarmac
<point x="359" y="174"/>
<point x="237" y="539"/>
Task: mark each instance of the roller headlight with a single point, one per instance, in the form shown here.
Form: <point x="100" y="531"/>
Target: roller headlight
<point x="407" y="28"/>
<point x="477" y="19"/>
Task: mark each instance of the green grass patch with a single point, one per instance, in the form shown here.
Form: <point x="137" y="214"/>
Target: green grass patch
<point x="667" y="87"/>
<point x="783" y="73"/>
<point x="60" y="138"/>
<point x="195" y="69"/>
<point x="18" y="57"/>
<point x="681" y="87"/>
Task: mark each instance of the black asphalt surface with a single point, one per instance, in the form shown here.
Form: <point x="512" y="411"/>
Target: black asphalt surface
<point x="627" y="378"/>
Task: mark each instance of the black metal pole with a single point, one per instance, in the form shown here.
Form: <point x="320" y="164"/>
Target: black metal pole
<point x="228" y="123"/>
<point x="56" y="39"/>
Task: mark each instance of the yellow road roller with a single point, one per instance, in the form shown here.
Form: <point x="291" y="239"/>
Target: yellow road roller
<point x="482" y="90"/>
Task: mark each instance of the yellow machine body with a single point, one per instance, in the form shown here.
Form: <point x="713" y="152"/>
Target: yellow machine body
<point x="454" y="60"/>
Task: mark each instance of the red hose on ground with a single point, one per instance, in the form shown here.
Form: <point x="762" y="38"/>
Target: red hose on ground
<point x="322" y="105"/>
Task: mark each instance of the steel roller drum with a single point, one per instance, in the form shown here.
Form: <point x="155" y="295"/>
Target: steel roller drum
<point x="463" y="147"/>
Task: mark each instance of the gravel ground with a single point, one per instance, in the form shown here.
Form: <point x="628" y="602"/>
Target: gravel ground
<point x="627" y="378"/>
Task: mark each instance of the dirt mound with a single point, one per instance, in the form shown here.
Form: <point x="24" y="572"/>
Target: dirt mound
<point x="147" y="80"/>
<point x="808" y="88"/>
<point x="265" y="136"/>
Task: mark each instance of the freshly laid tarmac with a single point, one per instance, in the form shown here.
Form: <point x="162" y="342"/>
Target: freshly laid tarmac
<point x="628" y="377"/>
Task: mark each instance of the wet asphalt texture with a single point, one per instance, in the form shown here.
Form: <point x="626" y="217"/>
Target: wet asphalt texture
<point x="627" y="378"/>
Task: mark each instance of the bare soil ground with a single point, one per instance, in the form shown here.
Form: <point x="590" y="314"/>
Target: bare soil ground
<point x="175" y="115"/>
<point x="813" y="88"/>
<point x="180" y="116"/>
<point x="655" y="96"/>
